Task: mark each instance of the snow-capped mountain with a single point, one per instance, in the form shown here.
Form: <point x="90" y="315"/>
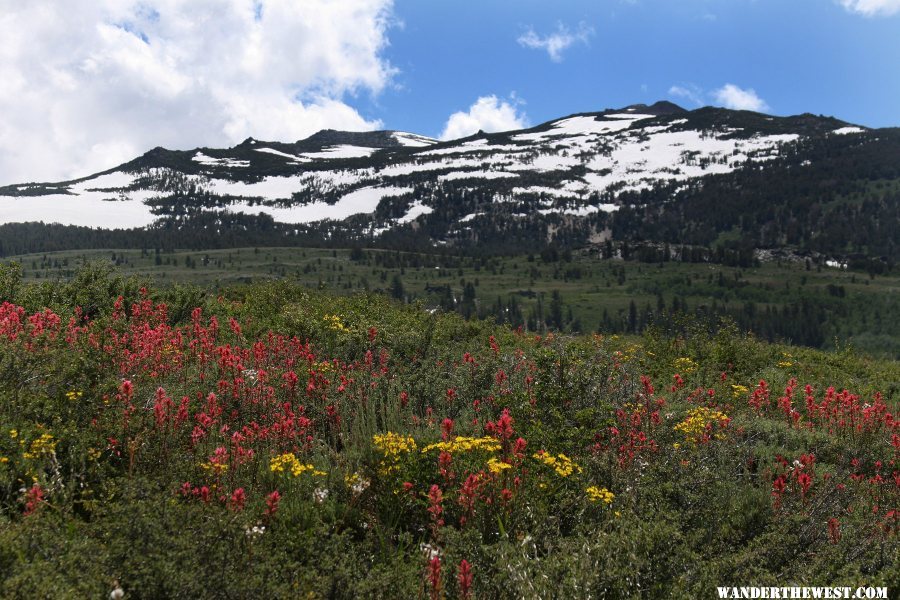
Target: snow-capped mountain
<point x="581" y="167"/>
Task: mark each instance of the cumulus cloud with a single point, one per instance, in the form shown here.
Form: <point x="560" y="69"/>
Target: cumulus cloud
<point x="558" y="41"/>
<point x="88" y="84"/>
<point x="872" y="8"/>
<point x="488" y="114"/>
<point x="688" y="92"/>
<point x="731" y="96"/>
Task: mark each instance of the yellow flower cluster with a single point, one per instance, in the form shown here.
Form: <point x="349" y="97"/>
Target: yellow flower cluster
<point x="324" y="366"/>
<point x="562" y="464"/>
<point x="785" y="364"/>
<point x="497" y="466"/>
<point x="599" y="494"/>
<point x="694" y="426"/>
<point x="685" y="365"/>
<point x="214" y="467"/>
<point x="335" y="322"/>
<point x="73" y="395"/>
<point x="45" y="444"/>
<point x="627" y="353"/>
<point x="289" y="463"/>
<point x="465" y="444"/>
<point x="393" y="444"/>
<point x="739" y="390"/>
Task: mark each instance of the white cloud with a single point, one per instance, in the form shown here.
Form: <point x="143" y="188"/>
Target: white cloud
<point x="872" y="8"/>
<point x="87" y="84"/>
<point x="688" y="92"/>
<point x="731" y="96"/>
<point x="489" y="114"/>
<point x="558" y="41"/>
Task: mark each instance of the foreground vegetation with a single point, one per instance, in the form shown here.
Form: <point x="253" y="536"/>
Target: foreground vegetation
<point x="272" y="438"/>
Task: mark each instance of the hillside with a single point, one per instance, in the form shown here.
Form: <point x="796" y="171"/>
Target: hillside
<point x="271" y="439"/>
<point x="646" y="174"/>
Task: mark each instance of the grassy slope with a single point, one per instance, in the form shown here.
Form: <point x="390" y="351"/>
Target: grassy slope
<point x="687" y="513"/>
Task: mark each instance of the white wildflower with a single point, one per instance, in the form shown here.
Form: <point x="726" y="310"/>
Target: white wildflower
<point x="360" y="485"/>
<point x="429" y="551"/>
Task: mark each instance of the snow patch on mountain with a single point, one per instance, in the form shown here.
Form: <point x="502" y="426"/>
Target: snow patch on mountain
<point x="290" y="157"/>
<point x="416" y="210"/>
<point x="476" y="175"/>
<point x="412" y="139"/>
<point x="584" y="125"/>
<point x="846" y="130"/>
<point x="361" y="201"/>
<point x="203" y="159"/>
<point x="342" y="151"/>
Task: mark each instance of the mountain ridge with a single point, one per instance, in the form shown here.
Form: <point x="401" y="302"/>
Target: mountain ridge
<point x="570" y="181"/>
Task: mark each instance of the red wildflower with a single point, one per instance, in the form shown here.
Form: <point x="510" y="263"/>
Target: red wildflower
<point x="805" y="482"/>
<point x="464" y="577"/>
<point x="519" y="448"/>
<point x="834" y="530"/>
<point x="33" y="499"/>
<point x="272" y="501"/>
<point x="238" y="499"/>
<point x="435" y="497"/>
<point x="434" y="577"/>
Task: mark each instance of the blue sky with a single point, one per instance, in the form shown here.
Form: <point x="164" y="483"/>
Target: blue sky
<point x="86" y="85"/>
<point x="798" y="56"/>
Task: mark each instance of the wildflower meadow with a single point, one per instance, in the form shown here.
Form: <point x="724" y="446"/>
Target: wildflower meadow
<point x="273" y="441"/>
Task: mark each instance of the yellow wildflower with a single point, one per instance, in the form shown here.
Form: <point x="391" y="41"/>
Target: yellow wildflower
<point x="739" y="390"/>
<point x="289" y="463"/>
<point x="497" y="466"/>
<point x="465" y="444"/>
<point x="696" y="425"/>
<point x="73" y="395"/>
<point x="324" y="366"/>
<point x="562" y="464"/>
<point x="335" y="323"/>
<point x="599" y="494"/>
<point x="393" y="444"/>
<point x="685" y="365"/>
<point x="785" y="364"/>
<point x="214" y="467"/>
<point x="45" y="444"/>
